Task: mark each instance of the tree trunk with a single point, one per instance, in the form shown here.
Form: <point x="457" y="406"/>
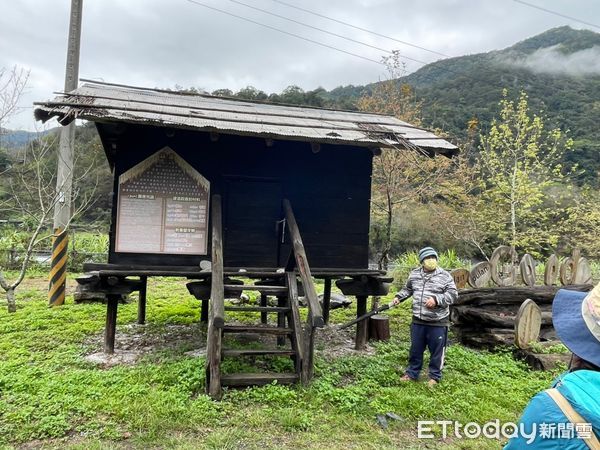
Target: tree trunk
<point x="11" y="300"/>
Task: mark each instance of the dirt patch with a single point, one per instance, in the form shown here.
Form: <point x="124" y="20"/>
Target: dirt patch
<point x="332" y="343"/>
<point x="133" y="341"/>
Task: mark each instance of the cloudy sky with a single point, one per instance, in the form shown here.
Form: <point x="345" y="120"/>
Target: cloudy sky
<point x="164" y="43"/>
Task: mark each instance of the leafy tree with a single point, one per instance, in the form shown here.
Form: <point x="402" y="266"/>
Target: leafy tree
<point x="519" y="161"/>
<point x="402" y="174"/>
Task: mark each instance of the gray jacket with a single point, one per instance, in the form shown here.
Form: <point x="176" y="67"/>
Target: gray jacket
<point x="421" y="285"/>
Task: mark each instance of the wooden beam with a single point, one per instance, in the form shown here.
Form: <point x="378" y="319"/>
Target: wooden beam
<point x="316" y="313"/>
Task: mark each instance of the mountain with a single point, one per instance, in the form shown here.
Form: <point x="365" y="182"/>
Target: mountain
<point x="16" y="139"/>
<point x="559" y="69"/>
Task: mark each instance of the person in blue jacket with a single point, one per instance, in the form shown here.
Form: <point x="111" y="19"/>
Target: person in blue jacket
<point x="576" y="318"/>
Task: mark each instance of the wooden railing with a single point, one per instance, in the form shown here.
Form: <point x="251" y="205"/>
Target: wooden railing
<point x="216" y="317"/>
<point x="301" y="263"/>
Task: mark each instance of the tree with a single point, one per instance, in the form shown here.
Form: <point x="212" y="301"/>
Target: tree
<point x="12" y="84"/>
<point x="400" y="174"/>
<point x="519" y="161"/>
<point x="512" y="191"/>
<point x="33" y="197"/>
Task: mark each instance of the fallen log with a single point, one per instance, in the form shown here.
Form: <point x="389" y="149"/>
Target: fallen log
<point x="492" y="316"/>
<point x="514" y="294"/>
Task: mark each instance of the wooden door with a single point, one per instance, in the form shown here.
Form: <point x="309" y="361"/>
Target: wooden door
<point x="253" y="209"/>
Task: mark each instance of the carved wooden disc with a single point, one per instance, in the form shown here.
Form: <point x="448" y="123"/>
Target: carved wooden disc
<point x="461" y="277"/>
<point x="508" y="278"/>
<point x="480" y="275"/>
<point x="551" y="271"/>
<point x="528" y="324"/>
<point x="583" y="273"/>
<point x="566" y="271"/>
<point x="527" y="268"/>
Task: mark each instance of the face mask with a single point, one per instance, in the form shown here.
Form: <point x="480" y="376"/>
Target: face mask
<point x="430" y="264"/>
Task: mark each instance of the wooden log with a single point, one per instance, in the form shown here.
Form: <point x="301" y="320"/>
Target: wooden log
<point x="303" y="268"/>
<point x="543" y="361"/>
<point x="141" y="317"/>
<point x="379" y="328"/>
<point x="362" y="326"/>
<point x="110" y="330"/>
<point x="514" y="294"/>
<point x="217" y="290"/>
<point x="492" y="315"/>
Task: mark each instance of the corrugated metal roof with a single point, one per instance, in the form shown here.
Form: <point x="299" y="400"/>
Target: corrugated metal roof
<point x="103" y="102"/>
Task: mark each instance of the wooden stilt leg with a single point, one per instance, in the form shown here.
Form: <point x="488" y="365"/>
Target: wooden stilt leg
<point x="112" y="302"/>
<point x="326" y="299"/>
<point x="141" y="319"/>
<point x="204" y="311"/>
<point x="362" y="328"/>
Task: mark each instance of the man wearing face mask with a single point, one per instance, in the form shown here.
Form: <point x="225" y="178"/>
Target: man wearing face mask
<point x="433" y="291"/>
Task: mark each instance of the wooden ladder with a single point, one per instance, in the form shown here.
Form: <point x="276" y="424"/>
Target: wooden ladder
<point x="292" y="338"/>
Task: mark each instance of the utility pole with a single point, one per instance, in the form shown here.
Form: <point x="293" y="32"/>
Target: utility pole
<point x="64" y="171"/>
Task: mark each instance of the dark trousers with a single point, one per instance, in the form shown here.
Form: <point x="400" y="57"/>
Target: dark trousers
<point x="434" y="338"/>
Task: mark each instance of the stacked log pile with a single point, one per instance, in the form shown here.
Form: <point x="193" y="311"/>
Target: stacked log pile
<point x="485" y="317"/>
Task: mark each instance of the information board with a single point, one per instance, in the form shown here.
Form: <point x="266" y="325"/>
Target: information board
<point x="162" y="207"/>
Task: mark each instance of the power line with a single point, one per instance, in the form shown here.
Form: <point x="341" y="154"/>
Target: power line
<point x="554" y="12"/>
<point x="360" y="28"/>
<point x="326" y="31"/>
<point x="285" y="32"/>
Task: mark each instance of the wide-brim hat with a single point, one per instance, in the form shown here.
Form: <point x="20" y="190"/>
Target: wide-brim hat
<point x="576" y="318"/>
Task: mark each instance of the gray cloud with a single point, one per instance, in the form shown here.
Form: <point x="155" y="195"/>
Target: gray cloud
<point x="164" y="43"/>
<point x="552" y="60"/>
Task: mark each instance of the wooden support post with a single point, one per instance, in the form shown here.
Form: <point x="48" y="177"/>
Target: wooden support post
<point x="362" y="328"/>
<point x="141" y="319"/>
<point x="281" y="302"/>
<point x="263" y="303"/>
<point x="326" y="299"/>
<point x="308" y="362"/>
<point x="112" y="303"/>
<point x="204" y="311"/>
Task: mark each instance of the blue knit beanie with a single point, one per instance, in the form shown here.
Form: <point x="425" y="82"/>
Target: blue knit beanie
<point x="426" y="252"/>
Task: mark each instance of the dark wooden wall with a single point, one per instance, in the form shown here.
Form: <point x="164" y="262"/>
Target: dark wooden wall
<point x="329" y="191"/>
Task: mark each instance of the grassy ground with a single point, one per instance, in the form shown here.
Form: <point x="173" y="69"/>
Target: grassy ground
<point x="52" y="397"/>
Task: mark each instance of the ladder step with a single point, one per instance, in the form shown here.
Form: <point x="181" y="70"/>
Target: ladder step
<point x="257" y="379"/>
<point x="252" y="352"/>
<point x="237" y="289"/>
<point x="256" y="329"/>
<point x="274" y="309"/>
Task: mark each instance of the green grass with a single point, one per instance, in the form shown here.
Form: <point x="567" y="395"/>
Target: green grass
<point x="51" y="397"/>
